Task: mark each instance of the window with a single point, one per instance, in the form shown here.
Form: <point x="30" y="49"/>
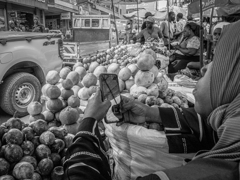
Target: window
<point x="105" y="23"/>
<point x="2" y="20"/>
<point x="95" y="23"/>
<point x="116" y="9"/>
<point x="85" y="22"/>
<point x="120" y="11"/>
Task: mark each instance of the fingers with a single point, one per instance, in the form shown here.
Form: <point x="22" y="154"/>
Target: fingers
<point x="98" y="95"/>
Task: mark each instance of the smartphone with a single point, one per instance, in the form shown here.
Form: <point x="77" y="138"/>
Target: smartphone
<point x="109" y="87"/>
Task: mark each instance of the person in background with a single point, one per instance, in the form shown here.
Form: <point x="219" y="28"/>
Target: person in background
<point x="128" y="30"/>
<point x="151" y="33"/>
<point x="189" y="18"/>
<point x="188" y="50"/>
<point x="212" y="126"/>
<point x="135" y="30"/>
<point x="180" y="24"/>
<point x="19" y="26"/>
<point x="168" y="32"/>
<point x="214" y="38"/>
<point x="12" y="25"/>
<point x="37" y="27"/>
<point x="147" y="14"/>
<point x="216" y="33"/>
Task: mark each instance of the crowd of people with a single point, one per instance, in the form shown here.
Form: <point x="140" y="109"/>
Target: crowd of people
<point x="16" y="25"/>
<point x="181" y="36"/>
<point x="210" y="129"/>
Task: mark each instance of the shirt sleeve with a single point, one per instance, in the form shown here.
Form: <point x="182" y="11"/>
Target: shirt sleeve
<point x="186" y="131"/>
<point x="86" y="157"/>
<point x="193" y="43"/>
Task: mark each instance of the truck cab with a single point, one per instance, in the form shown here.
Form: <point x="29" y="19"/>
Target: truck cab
<point x="25" y="59"/>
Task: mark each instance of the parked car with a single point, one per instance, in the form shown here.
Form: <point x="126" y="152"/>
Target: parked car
<point x="25" y="59"/>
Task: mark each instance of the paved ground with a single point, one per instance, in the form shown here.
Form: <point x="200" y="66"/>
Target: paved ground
<point x="90" y="48"/>
<point x="4" y="117"/>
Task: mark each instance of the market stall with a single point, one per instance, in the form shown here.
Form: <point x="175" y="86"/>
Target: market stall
<point x="38" y="149"/>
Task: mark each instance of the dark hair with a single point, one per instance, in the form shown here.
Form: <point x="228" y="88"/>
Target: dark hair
<point x="171" y="13"/>
<point x="194" y="27"/>
<point x="180" y="15"/>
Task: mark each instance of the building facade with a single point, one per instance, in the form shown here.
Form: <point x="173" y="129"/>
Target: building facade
<point x="59" y="14"/>
<point x="23" y="11"/>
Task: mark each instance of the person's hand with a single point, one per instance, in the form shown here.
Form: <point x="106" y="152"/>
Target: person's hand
<point x="134" y="111"/>
<point x="96" y="108"/>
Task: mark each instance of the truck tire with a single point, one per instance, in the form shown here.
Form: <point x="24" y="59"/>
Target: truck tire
<point x="17" y="91"/>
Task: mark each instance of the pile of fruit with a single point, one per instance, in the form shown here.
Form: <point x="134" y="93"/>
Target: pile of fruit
<point x="32" y="151"/>
<point x="139" y="78"/>
<point x="122" y="55"/>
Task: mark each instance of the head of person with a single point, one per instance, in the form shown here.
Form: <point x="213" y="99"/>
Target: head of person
<point x="35" y="20"/>
<point x="191" y="29"/>
<point x="11" y="24"/>
<point x="149" y="22"/>
<point x="216" y="34"/>
<point x="148" y="14"/>
<point x="171" y="16"/>
<point x="179" y="16"/>
<point x="217" y="93"/>
<point x="217" y="30"/>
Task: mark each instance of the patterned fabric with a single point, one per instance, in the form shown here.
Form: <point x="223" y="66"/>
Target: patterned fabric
<point x="86" y="157"/>
<point x="225" y="95"/>
<point x="180" y="25"/>
<point x="193" y="43"/>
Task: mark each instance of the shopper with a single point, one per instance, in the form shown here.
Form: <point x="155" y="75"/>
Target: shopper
<point x="167" y="28"/>
<point x="150" y="33"/>
<point x="180" y="24"/>
<point x="215" y="130"/>
<point x="188" y="50"/>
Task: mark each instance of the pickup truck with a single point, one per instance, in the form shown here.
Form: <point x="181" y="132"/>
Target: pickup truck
<point x="25" y="59"/>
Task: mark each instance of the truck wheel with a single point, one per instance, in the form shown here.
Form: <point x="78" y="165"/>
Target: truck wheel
<point x="17" y="91"/>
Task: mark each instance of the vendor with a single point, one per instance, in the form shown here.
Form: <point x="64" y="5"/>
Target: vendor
<point x="212" y="126"/>
<point x="217" y="30"/>
<point x="188" y="50"/>
<point x="150" y="33"/>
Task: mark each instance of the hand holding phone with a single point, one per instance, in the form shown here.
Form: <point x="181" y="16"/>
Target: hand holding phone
<point x="109" y="86"/>
<point x="97" y="108"/>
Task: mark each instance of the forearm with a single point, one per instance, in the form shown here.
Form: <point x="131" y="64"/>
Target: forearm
<point x="86" y="157"/>
<point x="186" y="51"/>
<point x="153" y="115"/>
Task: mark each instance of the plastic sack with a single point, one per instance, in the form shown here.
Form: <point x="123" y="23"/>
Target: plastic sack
<point x="138" y="151"/>
<point x="164" y="60"/>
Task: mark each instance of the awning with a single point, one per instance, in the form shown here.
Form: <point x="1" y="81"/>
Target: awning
<point x="41" y="4"/>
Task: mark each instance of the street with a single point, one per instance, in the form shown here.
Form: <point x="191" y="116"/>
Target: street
<point x="4" y="117"/>
<point x="91" y="48"/>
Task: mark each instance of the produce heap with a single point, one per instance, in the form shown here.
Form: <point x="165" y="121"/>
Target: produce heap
<point x="32" y="151"/>
<point x="36" y="151"/>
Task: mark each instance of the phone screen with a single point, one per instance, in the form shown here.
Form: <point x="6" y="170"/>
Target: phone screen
<point x="109" y="86"/>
